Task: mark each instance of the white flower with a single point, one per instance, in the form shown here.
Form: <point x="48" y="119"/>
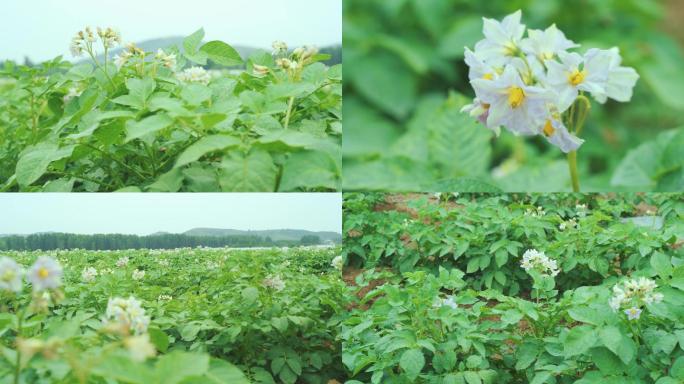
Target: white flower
<point x="633" y="294"/>
<point x="545" y="45"/>
<point x="10" y="275"/>
<point x="512" y="104"/>
<point x="279" y="48"/>
<point x="557" y="133"/>
<point x="122" y="262"/>
<point x="194" y="75"/>
<point x="274" y="282"/>
<point x="576" y="73"/>
<point x="446" y="302"/>
<point x="89" y="274"/>
<point x="163" y="297"/>
<point x="502" y="39"/>
<point x="45" y="273"/>
<point x="337" y="262"/>
<point x="581" y="210"/>
<point x="71" y="93"/>
<point x="163" y="263"/>
<point x="167" y="60"/>
<point x="127" y="314"/>
<point x="109" y="37"/>
<point x="477" y="68"/>
<point x="621" y="80"/>
<point x="140" y="347"/>
<point x="138" y="274"/>
<point x="538" y="261"/>
<point x="633" y="313"/>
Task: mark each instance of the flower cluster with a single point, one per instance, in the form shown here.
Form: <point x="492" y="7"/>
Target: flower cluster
<point x="538" y="261"/>
<point x="538" y="212"/>
<point x="527" y="84"/>
<point x="83" y="41"/>
<point x="445" y="302"/>
<point x="45" y="274"/>
<point x="130" y="52"/>
<point x="572" y="223"/>
<point x="122" y="262"/>
<point x="632" y="295"/>
<point x="194" y="75"/>
<point x="138" y="274"/>
<point x="581" y="210"/>
<point x="126" y="315"/>
<point x="293" y="63"/>
<point x="167" y="59"/>
<point x="337" y="263"/>
<point x="89" y="274"/>
<point x="274" y="282"/>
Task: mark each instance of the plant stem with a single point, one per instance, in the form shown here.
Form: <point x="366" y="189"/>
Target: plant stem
<point x="20" y="321"/>
<point x="572" y="163"/>
<point x="289" y="112"/>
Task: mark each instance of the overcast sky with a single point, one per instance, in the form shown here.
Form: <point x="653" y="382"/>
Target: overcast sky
<point x="145" y="213"/>
<point x="42" y="29"/>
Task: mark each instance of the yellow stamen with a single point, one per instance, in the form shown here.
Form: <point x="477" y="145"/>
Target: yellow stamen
<point x="547" y="56"/>
<point x="577" y="77"/>
<point x="516" y="96"/>
<point x="549" y="130"/>
<point x="8" y="275"/>
<point x="488" y="76"/>
<point x="43" y="273"/>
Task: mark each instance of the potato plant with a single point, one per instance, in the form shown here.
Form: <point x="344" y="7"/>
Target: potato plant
<point x="190" y="316"/>
<point x="144" y="121"/>
<point x="587" y="290"/>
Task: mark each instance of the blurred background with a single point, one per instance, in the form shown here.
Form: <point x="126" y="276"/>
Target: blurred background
<point x="38" y="30"/>
<point x="405" y="82"/>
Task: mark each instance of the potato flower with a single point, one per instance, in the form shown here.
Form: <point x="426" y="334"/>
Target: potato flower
<point x="538" y="261"/>
<point x="10" y="275"/>
<point x="45" y="273"/>
<point x="535" y="86"/>
<point x="89" y="274"/>
<point x="127" y="314"/>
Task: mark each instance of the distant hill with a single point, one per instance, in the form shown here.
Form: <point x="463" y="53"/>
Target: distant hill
<point x="154" y="44"/>
<point x="274" y="234"/>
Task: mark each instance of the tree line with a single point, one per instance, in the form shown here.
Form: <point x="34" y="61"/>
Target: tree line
<point x="53" y="241"/>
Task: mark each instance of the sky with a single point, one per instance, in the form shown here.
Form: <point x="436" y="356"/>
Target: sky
<point x="146" y="213"/>
<point x="42" y="29"/>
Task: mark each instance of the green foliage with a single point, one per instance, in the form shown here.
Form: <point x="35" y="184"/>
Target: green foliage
<point x="443" y="298"/>
<point x="406" y="82"/>
<point x="146" y="126"/>
<point x="216" y="317"/>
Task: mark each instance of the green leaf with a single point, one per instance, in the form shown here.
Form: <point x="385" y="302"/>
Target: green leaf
<point x="412" y="362"/>
<point x="661" y="264"/>
<point x="34" y="161"/>
<point x="579" y="340"/>
<point x="472" y="377"/>
<point x="159" y="339"/>
<point x="222" y="372"/>
<point x="196" y="94"/>
<point x="191" y="47"/>
<point x="311" y="169"/>
<point x="648" y="168"/>
<point x="253" y="172"/>
<point x="146" y="126"/>
<point x="663" y="71"/>
<point x="178" y="365"/>
<point x="171" y="181"/>
<point x="385" y="81"/>
<point x="120" y="367"/>
<point x="620" y="345"/>
<point x="222" y="53"/>
<point x="206" y="145"/>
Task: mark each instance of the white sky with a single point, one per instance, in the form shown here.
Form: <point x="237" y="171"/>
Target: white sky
<point x="42" y="29"/>
<point x="145" y="213"/>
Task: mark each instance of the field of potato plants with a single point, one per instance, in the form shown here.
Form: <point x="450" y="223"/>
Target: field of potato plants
<point x="203" y="315"/>
<point x="540" y="288"/>
<point x="158" y="121"/>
